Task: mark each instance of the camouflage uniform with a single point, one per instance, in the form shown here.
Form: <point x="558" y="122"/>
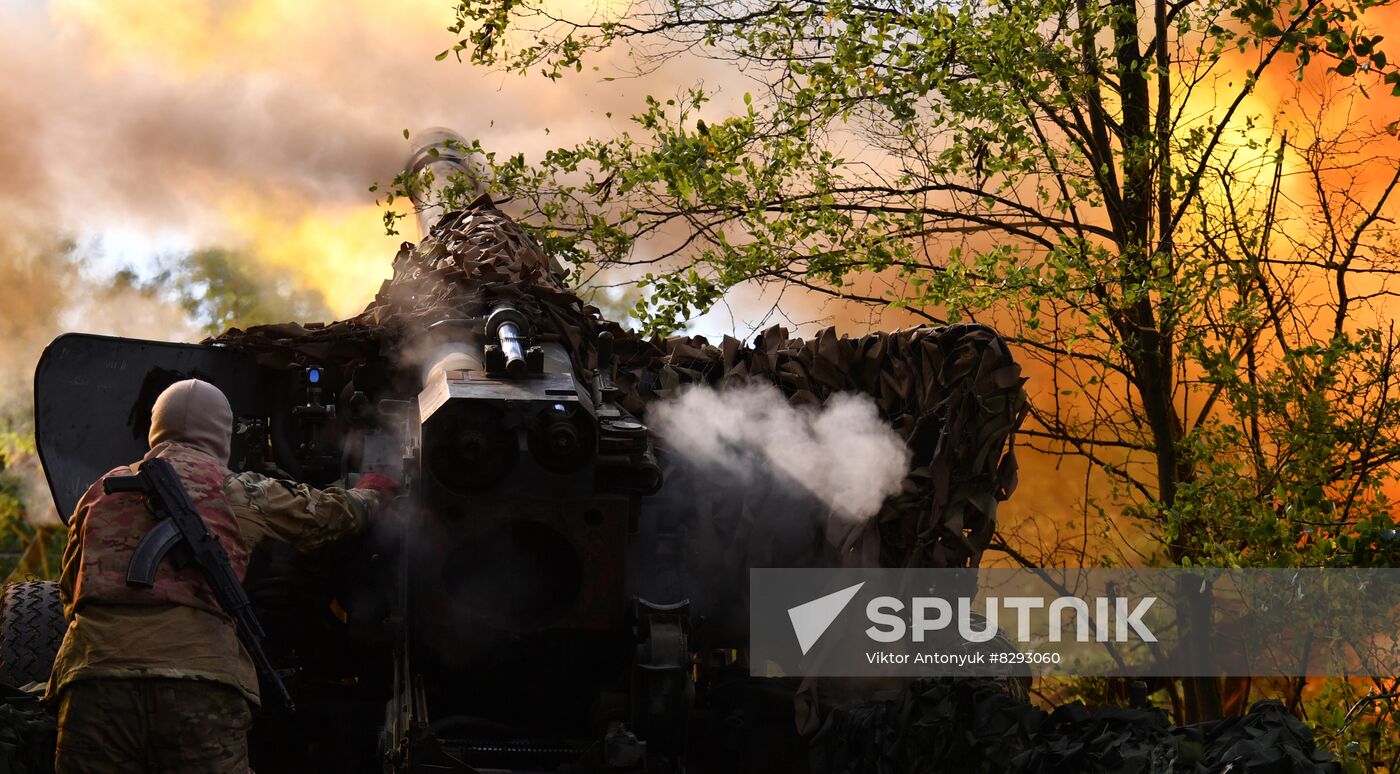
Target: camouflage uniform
<point x="156" y="680"/>
<point x="152" y="724"/>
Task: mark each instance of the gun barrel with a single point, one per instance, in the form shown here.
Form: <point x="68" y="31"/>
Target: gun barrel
<point x="443" y="153"/>
<point x="510" y="338"/>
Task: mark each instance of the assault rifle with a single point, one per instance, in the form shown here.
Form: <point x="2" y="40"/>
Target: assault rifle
<point x="180" y="528"/>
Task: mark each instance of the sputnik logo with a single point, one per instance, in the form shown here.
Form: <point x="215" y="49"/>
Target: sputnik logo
<point x="810" y="620"/>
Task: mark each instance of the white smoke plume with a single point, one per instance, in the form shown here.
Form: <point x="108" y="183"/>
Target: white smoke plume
<point x="844" y="454"/>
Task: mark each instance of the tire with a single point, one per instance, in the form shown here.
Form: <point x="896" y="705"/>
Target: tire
<point x="31" y="628"/>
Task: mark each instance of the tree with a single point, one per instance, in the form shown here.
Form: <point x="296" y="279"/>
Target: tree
<point x="222" y="289"/>
<point x="30" y="544"/>
<point x="1094" y="177"/>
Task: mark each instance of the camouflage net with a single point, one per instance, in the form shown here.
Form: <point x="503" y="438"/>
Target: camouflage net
<point x="954" y="394"/>
<point x="972" y="725"/>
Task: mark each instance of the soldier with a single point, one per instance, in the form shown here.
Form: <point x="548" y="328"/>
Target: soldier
<point x="156" y="679"/>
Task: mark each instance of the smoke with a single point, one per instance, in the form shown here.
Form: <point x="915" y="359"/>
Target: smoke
<point x="752" y="481"/>
<point x="47" y="288"/>
<point x="843" y="454"/>
<point x="256" y="126"/>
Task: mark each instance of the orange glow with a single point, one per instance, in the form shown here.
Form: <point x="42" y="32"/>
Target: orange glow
<point x="191" y="37"/>
<point x="343" y="253"/>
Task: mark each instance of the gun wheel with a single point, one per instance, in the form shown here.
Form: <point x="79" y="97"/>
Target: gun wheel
<point x="31" y="628"/>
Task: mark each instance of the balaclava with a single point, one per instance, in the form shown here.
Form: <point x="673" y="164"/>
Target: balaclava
<point x="196" y="414"/>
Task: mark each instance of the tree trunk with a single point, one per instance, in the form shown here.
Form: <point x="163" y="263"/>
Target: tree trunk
<point x="1148" y="334"/>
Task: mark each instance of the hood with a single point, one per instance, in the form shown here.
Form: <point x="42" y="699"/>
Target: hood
<point x="196" y="414"/>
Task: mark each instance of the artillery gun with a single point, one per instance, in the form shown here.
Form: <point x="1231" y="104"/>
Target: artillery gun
<point x="536" y="600"/>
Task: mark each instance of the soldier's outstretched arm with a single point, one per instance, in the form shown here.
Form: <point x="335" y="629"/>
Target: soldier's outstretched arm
<point x="299" y="514"/>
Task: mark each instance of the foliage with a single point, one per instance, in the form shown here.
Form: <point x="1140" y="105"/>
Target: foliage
<point x="222" y="289"/>
<point x="27" y="545"/>
<point x="1358" y="719"/>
